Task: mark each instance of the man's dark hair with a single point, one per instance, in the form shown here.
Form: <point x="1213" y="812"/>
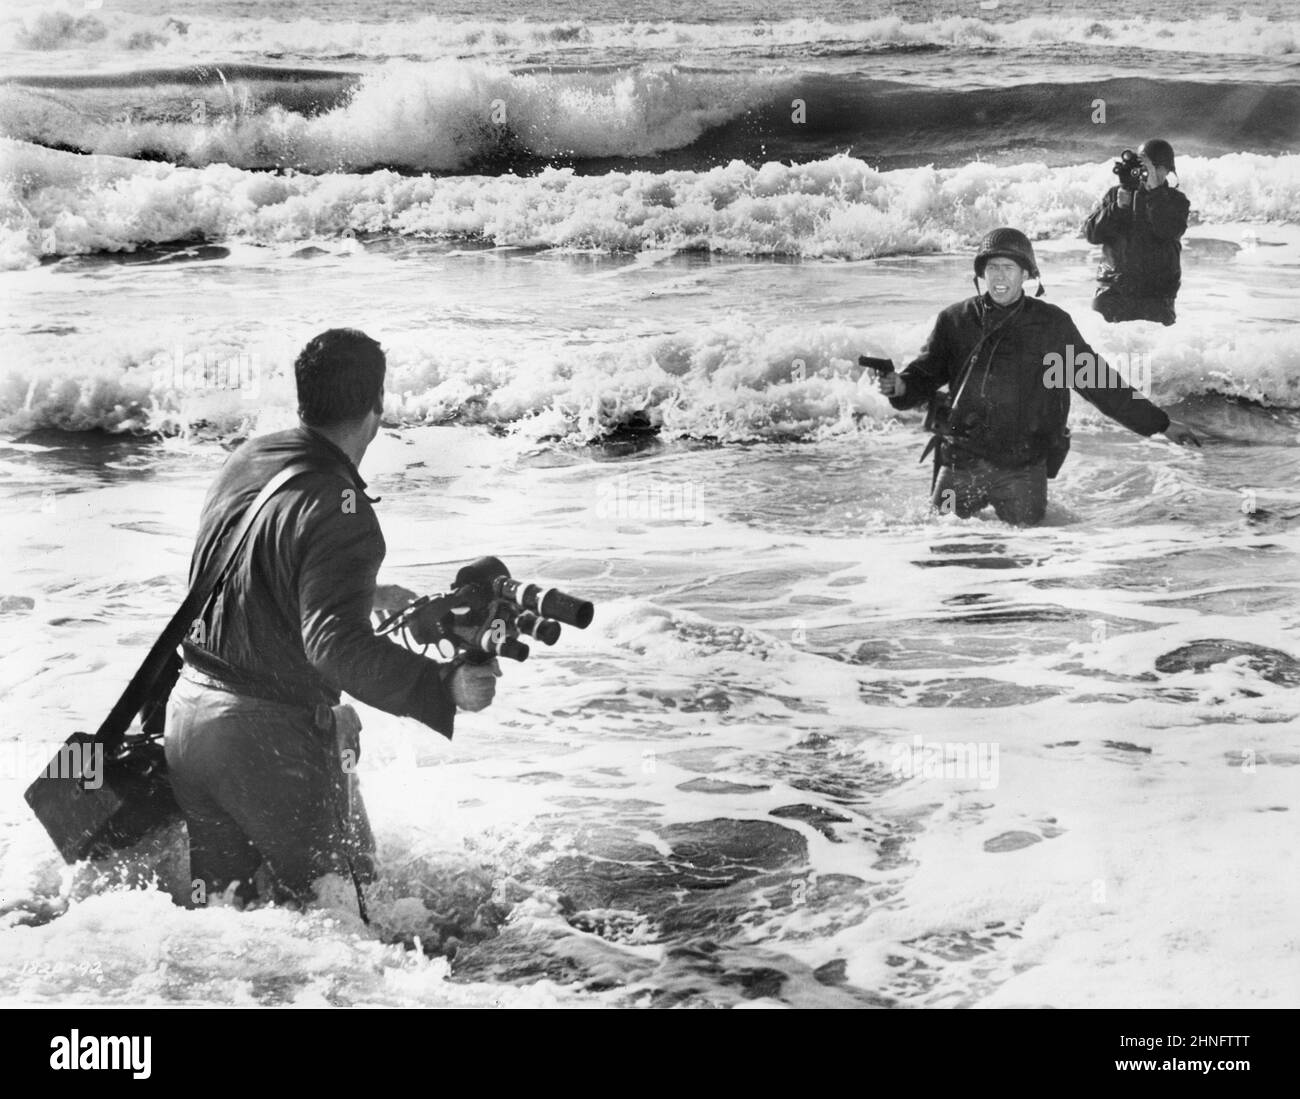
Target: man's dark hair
<point x="340" y="376"/>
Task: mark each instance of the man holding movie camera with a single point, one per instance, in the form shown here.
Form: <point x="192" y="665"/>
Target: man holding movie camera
<point x="1138" y="225"/>
<point x="258" y="748"/>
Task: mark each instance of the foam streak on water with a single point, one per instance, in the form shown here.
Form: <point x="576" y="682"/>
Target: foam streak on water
<point x="570" y="347"/>
<point x="32" y="33"/>
<point x="58" y="204"/>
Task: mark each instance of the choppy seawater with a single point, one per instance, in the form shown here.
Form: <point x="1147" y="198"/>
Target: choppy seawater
<point x="819" y="747"/>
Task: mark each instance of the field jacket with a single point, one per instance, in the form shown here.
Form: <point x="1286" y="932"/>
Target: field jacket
<point x="1140" y="245"/>
<point x="292" y="623"/>
<point x="1009" y="372"/>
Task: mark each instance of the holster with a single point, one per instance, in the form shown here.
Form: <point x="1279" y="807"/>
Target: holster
<point x="1057" y="449"/>
<point x="938" y="414"/>
<point x="937" y="445"/>
<point x="342" y="723"/>
<point x="938" y="417"/>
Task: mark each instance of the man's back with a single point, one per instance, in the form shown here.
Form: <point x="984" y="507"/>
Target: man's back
<point x="260" y="752"/>
<point x="292" y="621"/>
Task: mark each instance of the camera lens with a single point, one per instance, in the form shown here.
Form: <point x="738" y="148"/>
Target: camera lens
<point x="546" y="630"/>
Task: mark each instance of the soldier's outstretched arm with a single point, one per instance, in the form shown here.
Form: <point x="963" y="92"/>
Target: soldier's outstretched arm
<point x="1107" y="390"/>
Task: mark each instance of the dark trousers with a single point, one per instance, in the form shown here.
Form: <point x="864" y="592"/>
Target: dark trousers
<point x="1019" y="496"/>
<point x="1117" y="308"/>
<point x="261" y="784"/>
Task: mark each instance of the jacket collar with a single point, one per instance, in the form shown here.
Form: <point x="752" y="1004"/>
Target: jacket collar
<point x="1003" y="310"/>
<point x="314" y="440"/>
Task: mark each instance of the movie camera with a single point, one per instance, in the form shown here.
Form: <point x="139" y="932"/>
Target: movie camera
<point x="1132" y="174"/>
<point x="485" y="614"/>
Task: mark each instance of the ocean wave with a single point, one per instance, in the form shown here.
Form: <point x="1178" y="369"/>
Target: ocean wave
<point x="35" y="29"/>
<point x="472" y="117"/>
<point x="59" y="204"/>
<point x="728" y="380"/>
<point x="448" y="117"/>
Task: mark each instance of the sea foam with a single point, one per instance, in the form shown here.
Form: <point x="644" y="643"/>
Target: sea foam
<point x="61" y="204"/>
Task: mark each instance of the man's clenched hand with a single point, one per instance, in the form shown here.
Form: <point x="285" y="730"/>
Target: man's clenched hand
<point x="473" y="686"/>
<point x="891" y="385"/>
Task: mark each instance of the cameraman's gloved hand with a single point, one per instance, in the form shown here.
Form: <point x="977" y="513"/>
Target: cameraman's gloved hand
<point x="473" y="686"/>
<point x="1124" y="199"/>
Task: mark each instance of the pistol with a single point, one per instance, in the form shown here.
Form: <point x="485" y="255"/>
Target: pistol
<point x="880" y="366"/>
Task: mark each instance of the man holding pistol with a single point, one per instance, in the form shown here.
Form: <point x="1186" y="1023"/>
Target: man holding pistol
<point x="258" y="747"/>
<point x="1000" y="431"/>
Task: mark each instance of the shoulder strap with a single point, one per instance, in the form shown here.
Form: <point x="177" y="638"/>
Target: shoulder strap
<point x="979" y="346"/>
<point x="954" y="393"/>
<point x="137" y="692"/>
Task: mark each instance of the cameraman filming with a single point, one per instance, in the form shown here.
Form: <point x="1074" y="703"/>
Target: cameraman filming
<point x="1138" y="224"/>
<point x="259" y="749"/>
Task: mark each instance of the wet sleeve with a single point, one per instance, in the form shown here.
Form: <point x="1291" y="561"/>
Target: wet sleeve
<point x="1165" y="211"/>
<point x="1106" y="389"/>
<point x="1107" y="222"/>
<point x="929" y="371"/>
<point x="343" y="549"/>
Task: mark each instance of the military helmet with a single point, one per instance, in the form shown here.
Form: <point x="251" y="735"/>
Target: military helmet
<point x="1009" y="243"/>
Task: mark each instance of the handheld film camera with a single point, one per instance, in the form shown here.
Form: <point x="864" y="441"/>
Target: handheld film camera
<point x="1130" y="170"/>
<point x="485" y="615"/>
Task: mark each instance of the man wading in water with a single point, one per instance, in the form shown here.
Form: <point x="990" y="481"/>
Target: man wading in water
<point x="256" y="734"/>
<point x="1139" y="224"/>
<point x="1000" y="432"/>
